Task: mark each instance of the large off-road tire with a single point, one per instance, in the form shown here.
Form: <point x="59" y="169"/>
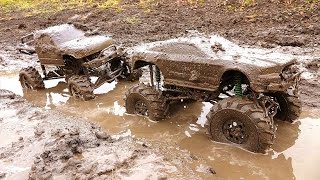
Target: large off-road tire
<point x="145" y="100"/>
<point x="241" y="122"/>
<point x="30" y="78"/>
<point x="290" y="106"/>
<point x="81" y="87"/>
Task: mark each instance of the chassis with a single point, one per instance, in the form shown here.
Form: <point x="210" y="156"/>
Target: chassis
<point x="256" y="91"/>
<point x="75" y="55"/>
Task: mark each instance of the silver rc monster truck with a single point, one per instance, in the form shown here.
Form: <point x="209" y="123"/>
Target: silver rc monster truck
<point x="76" y="55"/>
<point x="247" y="91"/>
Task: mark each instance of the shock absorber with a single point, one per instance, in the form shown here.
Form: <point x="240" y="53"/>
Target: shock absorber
<point x="151" y="74"/>
<point x="237" y="84"/>
<point x="158" y="77"/>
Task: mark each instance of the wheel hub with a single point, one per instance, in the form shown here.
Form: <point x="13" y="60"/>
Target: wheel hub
<point x="141" y="108"/>
<point x="234" y="131"/>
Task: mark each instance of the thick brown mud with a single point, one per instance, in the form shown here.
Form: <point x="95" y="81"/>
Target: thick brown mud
<point x="265" y="23"/>
<point x="40" y="144"/>
<point x="294" y="154"/>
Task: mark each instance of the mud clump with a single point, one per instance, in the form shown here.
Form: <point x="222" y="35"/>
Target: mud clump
<point x="2" y="175"/>
<point x="289" y="41"/>
<point x="65" y="151"/>
<point x="49" y="145"/>
<point x="314" y="65"/>
<point x="205" y="169"/>
<point x="6" y="94"/>
<point x="22" y="26"/>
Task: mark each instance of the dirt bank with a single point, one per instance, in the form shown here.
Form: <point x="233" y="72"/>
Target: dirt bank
<point x="265" y="23"/>
<point x="39" y="144"/>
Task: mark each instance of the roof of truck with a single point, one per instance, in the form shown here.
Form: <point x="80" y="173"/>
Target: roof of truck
<point x="61" y="33"/>
<point x="215" y="47"/>
<point x="73" y="41"/>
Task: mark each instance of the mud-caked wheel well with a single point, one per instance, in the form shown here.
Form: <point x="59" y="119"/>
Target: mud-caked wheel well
<point x="140" y="63"/>
<point x="72" y="65"/>
<point x="68" y="60"/>
<point x="228" y="78"/>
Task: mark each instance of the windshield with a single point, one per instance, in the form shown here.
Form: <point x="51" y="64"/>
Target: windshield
<point x="63" y="33"/>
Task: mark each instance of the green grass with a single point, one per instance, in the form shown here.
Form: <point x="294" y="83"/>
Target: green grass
<point x="248" y="2"/>
<point x="109" y="4"/>
<point x="33" y="7"/>
<point x="312" y="1"/>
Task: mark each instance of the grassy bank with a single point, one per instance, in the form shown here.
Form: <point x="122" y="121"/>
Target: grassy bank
<point x="34" y="7"/>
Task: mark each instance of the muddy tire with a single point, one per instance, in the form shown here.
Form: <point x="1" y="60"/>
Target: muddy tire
<point x="240" y="122"/>
<point x="30" y="78"/>
<point x="290" y="106"/>
<point x="80" y="87"/>
<point x="145" y="100"/>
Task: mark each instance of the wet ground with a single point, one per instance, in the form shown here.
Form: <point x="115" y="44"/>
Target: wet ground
<point x="265" y="23"/>
<point x="41" y="144"/>
<point x="294" y="154"/>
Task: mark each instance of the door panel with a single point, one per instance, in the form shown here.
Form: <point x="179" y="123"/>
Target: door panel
<point x="190" y="71"/>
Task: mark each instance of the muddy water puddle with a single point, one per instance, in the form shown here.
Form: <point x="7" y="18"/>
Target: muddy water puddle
<point x="295" y="153"/>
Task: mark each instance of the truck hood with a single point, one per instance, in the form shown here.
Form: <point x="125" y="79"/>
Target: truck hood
<point x="214" y="48"/>
<point x="85" y="46"/>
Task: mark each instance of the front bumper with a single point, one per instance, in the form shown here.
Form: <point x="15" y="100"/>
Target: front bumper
<point x="274" y="83"/>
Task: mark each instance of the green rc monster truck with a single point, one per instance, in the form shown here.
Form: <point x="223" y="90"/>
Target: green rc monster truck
<point x="75" y="55"/>
<point x="258" y="86"/>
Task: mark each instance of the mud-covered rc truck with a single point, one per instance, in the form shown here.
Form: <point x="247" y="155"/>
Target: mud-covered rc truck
<point x="258" y="89"/>
<point x="75" y="55"/>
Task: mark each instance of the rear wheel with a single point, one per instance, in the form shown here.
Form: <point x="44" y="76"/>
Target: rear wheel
<point x="290" y="106"/>
<point x="81" y="87"/>
<point x="30" y="78"/>
<point x="239" y="121"/>
<point x="145" y="100"/>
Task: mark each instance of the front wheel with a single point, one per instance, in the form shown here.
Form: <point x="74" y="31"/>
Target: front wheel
<point x="145" y="100"/>
<point x="241" y="122"/>
<point x="81" y="87"/>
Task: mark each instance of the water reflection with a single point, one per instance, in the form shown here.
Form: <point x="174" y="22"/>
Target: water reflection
<point x="286" y="136"/>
